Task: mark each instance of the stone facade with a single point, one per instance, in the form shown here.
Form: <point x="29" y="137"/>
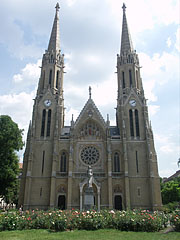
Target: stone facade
<point x="123" y="157"/>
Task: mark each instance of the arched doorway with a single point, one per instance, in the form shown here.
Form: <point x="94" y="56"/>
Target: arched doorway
<point x="62" y="202"/>
<point x="118" y="202"/>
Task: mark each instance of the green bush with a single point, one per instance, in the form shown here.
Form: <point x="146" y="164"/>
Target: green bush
<point x="170" y="207"/>
<point x="175" y="220"/>
<point x="57" y="220"/>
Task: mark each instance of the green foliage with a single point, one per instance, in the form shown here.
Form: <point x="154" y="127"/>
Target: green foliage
<point x="90" y="220"/>
<point x="175" y="220"/>
<point x="10" y="143"/>
<point x="170" y="191"/>
<point x="170" y="207"/>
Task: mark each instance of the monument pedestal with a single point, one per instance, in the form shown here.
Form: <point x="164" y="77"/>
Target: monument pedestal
<point x="88" y="198"/>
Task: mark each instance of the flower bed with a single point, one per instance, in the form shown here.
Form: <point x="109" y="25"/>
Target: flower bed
<point x="136" y="220"/>
<point x="175" y="220"/>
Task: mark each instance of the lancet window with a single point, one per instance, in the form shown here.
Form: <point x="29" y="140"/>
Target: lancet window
<point x="43" y="122"/>
<point x="50" y="77"/>
<point x="48" y="123"/>
<point x="116" y="162"/>
<point x="137" y="123"/>
<point x="63" y="162"/>
<point x="57" y="78"/>
<point x="123" y="80"/>
<point x="130" y="77"/>
<point x="131" y="123"/>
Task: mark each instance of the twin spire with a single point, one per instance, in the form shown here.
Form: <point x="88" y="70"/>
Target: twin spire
<point x="126" y="42"/>
<point x="54" y="42"/>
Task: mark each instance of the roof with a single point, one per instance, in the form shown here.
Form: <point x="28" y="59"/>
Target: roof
<point x="175" y="175"/>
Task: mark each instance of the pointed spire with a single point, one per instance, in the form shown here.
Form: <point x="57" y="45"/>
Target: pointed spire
<point x="89" y="92"/>
<point x="126" y="42"/>
<point x="54" y="42"/>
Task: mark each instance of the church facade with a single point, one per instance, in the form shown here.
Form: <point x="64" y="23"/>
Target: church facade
<point x="122" y="157"/>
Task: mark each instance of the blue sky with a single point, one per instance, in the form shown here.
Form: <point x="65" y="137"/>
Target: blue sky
<point x="90" y="39"/>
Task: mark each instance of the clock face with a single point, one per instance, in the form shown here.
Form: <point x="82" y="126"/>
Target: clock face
<point x="132" y="102"/>
<point x="47" y="103"/>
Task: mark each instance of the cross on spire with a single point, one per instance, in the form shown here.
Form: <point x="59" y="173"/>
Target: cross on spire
<point x="124" y="7"/>
<point x="57" y="7"/>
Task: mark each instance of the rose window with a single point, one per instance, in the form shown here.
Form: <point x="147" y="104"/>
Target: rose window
<point x="90" y="155"/>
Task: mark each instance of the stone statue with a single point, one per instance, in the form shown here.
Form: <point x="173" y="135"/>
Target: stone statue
<point x="90" y="176"/>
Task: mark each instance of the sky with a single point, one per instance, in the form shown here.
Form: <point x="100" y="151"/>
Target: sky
<point x="90" y="33"/>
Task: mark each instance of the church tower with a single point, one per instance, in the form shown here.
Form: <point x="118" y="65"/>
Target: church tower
<point x="122" y="158"/>
<point x="45" y="128"/>
<point x="142" y="186"/>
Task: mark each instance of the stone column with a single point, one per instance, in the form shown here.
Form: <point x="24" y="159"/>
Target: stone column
<point x="110" y="176"/>
<point x="28" y="183"/>
<point x="69" y="197"/>
<point x="99" y="199"/>
<point x="80" y="199"/>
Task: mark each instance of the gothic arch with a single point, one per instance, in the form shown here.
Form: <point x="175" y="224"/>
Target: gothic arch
<point x="98" y="188"/>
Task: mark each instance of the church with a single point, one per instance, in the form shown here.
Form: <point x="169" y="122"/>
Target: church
<point x="122" y="158"/>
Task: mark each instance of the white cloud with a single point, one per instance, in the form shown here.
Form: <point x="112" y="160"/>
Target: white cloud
<point x="169" y="42"/>
<point x="28" y="77"/>
<point x="17" y="78"/>
<point x="92" y="59"/>
<point x="146" y="14"/>
<point x="167" y="145"/>
<point x="158" y="70"/>
<point x="153" y="109"/>
<point x="177" y="44"/>
<point x="71" y="2"/>
<point x="19" y="107"/>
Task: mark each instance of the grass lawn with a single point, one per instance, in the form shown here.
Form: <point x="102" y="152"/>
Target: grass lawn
<point x="86" y="235"/>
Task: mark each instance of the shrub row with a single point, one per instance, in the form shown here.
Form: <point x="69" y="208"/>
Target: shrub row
<point x="175" y="220"/>
<point x="136" y="220"/>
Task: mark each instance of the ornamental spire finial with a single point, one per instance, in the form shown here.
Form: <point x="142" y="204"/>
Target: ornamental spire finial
<point x="124" y="7"/>
<point x="57" y="7"/>
<point x="90" y="92"/>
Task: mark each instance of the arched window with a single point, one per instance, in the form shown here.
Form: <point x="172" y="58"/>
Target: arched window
<point x="131" y="123"/>
<point x="48" y="123"/>
<point x="116" y="162"/>
<point x="123" y="80"/>
<point x="63" y="162"/>
<point x="57" y="78"/>
<point x="137" y="123"/>
<point x="50" y="77"/>
<point x="130" y="78"/>
<point x="43" y="122"/>
<point x="51" y="58"/>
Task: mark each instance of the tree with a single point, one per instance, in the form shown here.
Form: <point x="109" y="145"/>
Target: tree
<point x="10" y="143"/>
<point x="170" y="192"/>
